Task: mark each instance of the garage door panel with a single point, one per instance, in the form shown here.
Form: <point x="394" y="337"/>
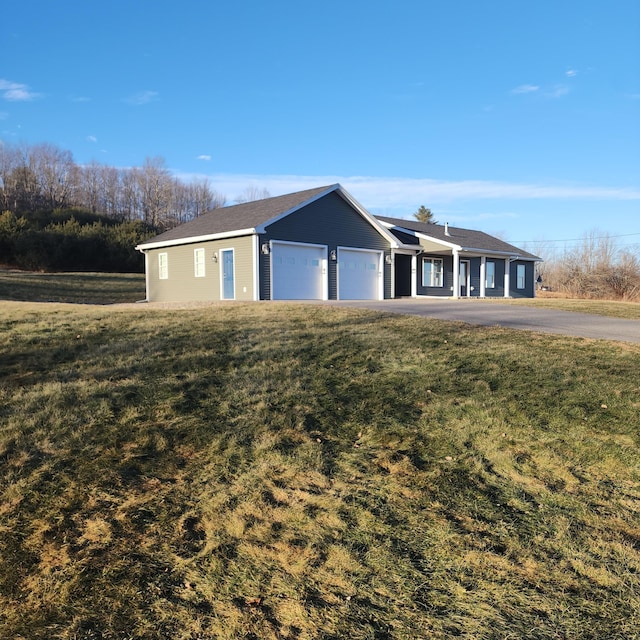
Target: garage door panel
<point x="358" y="274"/>
<point x="297" y="272"/>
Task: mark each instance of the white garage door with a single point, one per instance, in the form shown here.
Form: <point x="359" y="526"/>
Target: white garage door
<point x="359" y="274"/>
<point x="297" y="271"/>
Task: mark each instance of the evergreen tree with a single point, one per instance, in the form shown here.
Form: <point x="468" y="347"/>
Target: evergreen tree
<point x="424" y="215"/>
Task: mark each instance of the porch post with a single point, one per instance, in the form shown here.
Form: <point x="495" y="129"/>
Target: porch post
<point x="414" y="276"/>
<point x="507" y="269"/>
<point x="483" y="276"/>
<point x="456" y="274"/>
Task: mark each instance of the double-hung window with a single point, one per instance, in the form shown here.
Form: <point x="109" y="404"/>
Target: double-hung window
<point x="163" y="266"/>
<point x="432" y="272"/>
<point x="520" y="276"/>
<point x="198" y="263"/>
<point x="491" y="275"/>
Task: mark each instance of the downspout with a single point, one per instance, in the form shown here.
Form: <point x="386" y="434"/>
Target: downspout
<point x="414" y="275"/>
<point x="146" y="275"/>
<point x="507" y="276"/>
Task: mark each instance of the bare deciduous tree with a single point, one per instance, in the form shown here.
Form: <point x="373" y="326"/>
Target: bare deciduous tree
<point x="252" y="193"/>
<point x="44" y="177"/>
<point x="596" y="268"/>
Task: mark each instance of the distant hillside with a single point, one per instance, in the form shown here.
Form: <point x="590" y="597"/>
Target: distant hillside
<point x="274" y="471"/>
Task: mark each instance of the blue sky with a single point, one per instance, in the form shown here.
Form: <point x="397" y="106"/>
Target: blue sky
<point x="521" y="119"/>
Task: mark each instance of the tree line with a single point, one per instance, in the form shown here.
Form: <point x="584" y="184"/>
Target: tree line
<point x="56" y="214"/>
<point x="43" y="177"/>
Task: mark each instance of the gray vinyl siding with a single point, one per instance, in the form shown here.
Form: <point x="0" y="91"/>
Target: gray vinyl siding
<point x="182" y="285"/>
<point x="329" y="221"/>
<point x="529" y="288"/>
<point x="498" y="290"/>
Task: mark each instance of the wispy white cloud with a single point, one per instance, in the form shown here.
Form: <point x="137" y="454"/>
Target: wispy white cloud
<point x="526" y="88"/>
<point x="402" y="195"/>
<point x="80" y="99"/>
<point x="204" y="156"/>
<point x="571" y="73"/>
<point x="143" y="97"/>
<point x="16" y="91"/>
<point x="557" y="91"/>
<point x="92" y="139"/>
<point x="554" y="91"/>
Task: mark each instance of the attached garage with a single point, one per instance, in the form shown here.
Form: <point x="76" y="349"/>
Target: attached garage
<point x="360" y="274"/>
<point x="317" y="244"/>
<point x="298" y="271"/>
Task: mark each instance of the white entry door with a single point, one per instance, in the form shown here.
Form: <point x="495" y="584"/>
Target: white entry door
<point x="298" y="271"/>
<point x="359" y="274"/>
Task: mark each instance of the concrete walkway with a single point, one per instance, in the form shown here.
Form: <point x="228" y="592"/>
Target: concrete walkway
<point x="509" y="315"/>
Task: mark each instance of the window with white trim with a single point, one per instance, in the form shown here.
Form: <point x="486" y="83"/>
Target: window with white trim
<point x="520" y="276"/>
<point x="163" y="266"/>
<point x="491" y="275"/>
<point x="198" y="263"/>
<point x="432" y="272"/>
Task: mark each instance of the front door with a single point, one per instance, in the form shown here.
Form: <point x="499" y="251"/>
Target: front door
<point x="228" y="276"/>
<point x="464" y="278"/>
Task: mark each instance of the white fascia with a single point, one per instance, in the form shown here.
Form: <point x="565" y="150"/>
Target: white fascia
<point x="417" y="234"/>
<point x="194" y="239"/>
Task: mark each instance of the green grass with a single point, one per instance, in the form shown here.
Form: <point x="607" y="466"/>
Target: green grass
<point x="76" y="288"/>
<point x="284" y="471"/>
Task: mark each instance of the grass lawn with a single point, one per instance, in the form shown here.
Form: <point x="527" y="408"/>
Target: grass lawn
<point x="77" y="288"/>
<point x="111" y="288"/>
<point x="283" y="471"/>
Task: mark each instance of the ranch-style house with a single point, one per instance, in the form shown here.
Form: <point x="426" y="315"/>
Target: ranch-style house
<point x="321" y="244"/>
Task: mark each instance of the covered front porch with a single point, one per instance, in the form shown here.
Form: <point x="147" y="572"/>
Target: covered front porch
<point x="460" y="274"/>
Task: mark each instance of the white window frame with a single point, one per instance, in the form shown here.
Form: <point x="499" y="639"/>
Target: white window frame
<point x="436" y="277"/>
<point x="163" y="266"/>
<point x="521" y="276"/>
<point x="491" y="275"/>
<point x="199" y="270"/>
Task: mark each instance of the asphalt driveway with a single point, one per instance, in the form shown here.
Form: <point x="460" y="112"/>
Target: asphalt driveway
<point x="510" y="315"/>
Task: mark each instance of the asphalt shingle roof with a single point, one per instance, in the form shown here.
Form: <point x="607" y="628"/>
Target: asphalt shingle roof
<point x="247" y="215"/>
<point x="250" y="215"/>
<point x="465" y="238"/>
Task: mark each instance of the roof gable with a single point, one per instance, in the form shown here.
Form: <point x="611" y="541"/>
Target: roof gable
<point x="254" y="217"/>
<point x="239" y="218"/>
<point x="463" y="239"/>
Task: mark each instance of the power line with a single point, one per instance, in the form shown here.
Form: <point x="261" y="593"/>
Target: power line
<point x="624" y="235"/>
